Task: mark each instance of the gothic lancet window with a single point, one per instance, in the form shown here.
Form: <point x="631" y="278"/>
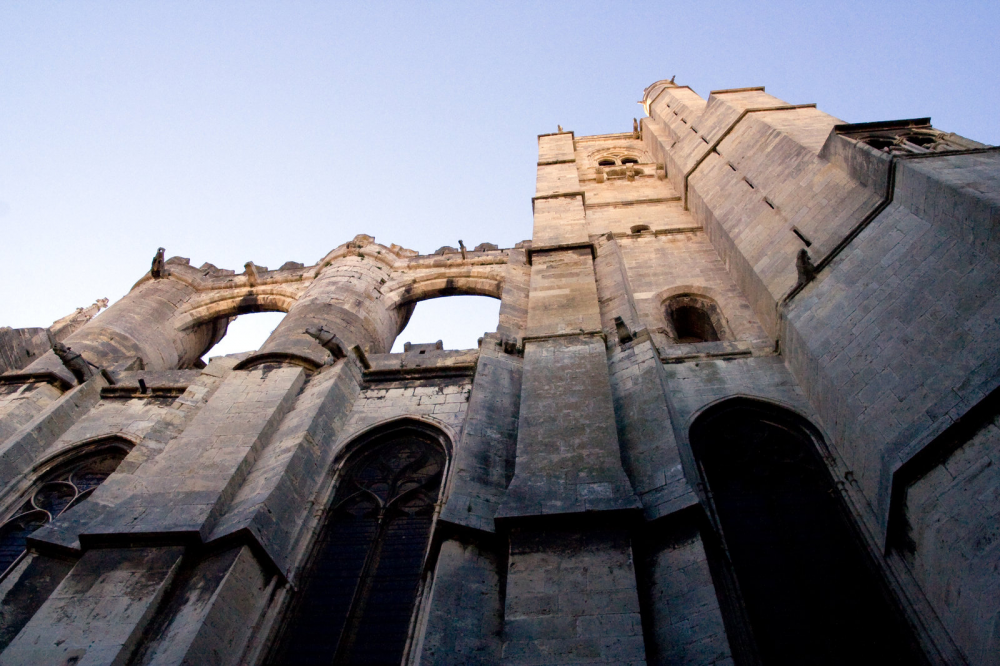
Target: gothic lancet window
<point x="55" y="493"/>
<point x="805" y="584"/>
<point x="358" y="591"/>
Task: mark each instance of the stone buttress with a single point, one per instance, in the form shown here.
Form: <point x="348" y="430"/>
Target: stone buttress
<point x="741" y="303"/>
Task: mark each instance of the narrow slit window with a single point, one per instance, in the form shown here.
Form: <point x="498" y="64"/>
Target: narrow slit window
<point x="802" y="236"/>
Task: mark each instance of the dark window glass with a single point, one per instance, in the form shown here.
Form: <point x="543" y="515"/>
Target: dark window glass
<point x="606" y="162"/>
<point x="810" y="591"/>
<point x="359" y="589"/>
<point x="629" y="160"/>
<point x="52" y="496"/>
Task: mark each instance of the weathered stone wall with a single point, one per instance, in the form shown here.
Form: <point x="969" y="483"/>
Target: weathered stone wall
<point x="465" y="617"/>
<point x="573" y="524"/>
<point x="953" y="534"/>
<point x="204" y="620"/>
<point x="683" y="617"/>
<point x="99" y="611"/>
<point x="571" y="598"/>
<point x="889" y="344"/>
<point x="21" y="346"/>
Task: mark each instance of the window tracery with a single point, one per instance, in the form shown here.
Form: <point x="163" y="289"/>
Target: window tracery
<point x="359" y="589"/>
<point x="53" y="495"/>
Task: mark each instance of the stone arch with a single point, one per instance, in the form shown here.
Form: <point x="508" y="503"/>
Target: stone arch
<point x="439" y="286"/>
<point x="122" y="441"/>
<point x="214" y="306"/>
<point x="796" y="572"/>
<point x="353" y="441"/>
<point x="209" y="314"/>
<point x="404" y="292"/>
<point x="359" y="588"/>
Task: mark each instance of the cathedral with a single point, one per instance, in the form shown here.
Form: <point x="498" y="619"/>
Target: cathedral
<point x="741" y="407"/>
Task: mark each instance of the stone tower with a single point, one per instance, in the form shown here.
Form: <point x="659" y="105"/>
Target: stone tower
<point x="740" y="407"/>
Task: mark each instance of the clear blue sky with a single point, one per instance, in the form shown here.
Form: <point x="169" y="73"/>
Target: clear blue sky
<point x="237" y="131"/>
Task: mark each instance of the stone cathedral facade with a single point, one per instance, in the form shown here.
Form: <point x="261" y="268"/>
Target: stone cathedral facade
<point x="741" y="407"/>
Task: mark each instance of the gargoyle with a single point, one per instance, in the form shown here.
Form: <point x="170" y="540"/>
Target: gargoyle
<point x="328" y="340"/>
<point x="158" y="269"/>
<point x="624" y="334"/>
<point x="75" y="363"/>
<point x="804" y="264"/>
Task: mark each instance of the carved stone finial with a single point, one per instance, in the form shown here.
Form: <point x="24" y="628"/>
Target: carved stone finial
<point x="461" y="246"/>
<point x="327" y="340"/>
<point x="635" y="128"/>
<point x="805" y="266"/>
<point x="672" y="78"/>
<point x="559" y="127"/>
<point x="157" y="270"/>
<point x="63" y="328"/>
<point x="74" y="362"/>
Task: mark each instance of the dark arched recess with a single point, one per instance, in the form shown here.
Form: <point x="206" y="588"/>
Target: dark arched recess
<point x="803" y="589"/>
<point x="359" y="588"/>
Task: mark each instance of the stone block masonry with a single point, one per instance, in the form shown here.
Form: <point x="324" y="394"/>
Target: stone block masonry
<point x="742" y="302"/>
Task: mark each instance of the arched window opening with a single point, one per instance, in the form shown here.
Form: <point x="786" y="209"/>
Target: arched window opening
<point x="247" y="332"/>
<point x="458" y="321"/>
<point x="809" y="589"/>
<point x="881" y="142"/>
<point x="54" y="494"/>
<point x="359" y="590"/>
<point x="629" y="160"/>
<point x="922" y="140"/>
<point x="607" y="161"/>
<point x="694" y="319"/>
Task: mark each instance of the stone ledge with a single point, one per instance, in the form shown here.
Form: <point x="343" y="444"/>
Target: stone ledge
<point x="532" y="251"/>
<point x="701" y="351"/>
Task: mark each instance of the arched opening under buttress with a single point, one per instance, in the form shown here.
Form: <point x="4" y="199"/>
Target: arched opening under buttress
<point x="458" y="321"/>
<point x="358" y="590"/>
<point x="246" y="332"/>
<point x="234" y="322"/>
<point x="806" y="589"/>
<point x="456" y="310"/>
